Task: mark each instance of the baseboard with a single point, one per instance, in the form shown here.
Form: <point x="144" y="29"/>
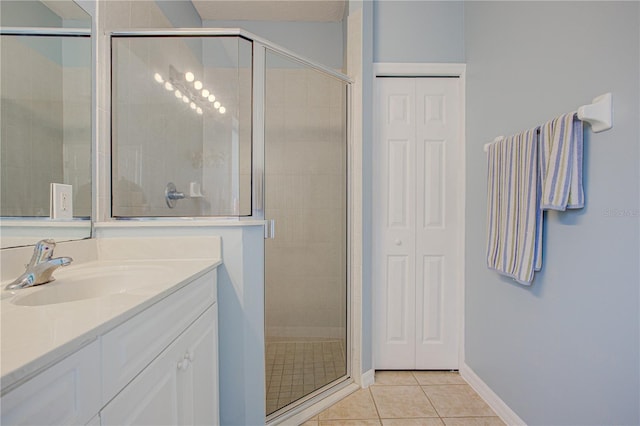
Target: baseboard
<point x="368" y="378"/>
<point x="495" y="402"/>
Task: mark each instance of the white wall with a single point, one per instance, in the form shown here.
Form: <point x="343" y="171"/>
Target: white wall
<point x="565" y="350"/>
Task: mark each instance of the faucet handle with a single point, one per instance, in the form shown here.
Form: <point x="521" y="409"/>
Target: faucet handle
<point x="42" y="252"/>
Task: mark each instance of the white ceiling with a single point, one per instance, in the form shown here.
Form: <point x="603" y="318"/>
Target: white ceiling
<point x="271" y="10"/>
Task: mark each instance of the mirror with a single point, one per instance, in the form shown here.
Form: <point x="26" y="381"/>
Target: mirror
<point x="45" y="122"/>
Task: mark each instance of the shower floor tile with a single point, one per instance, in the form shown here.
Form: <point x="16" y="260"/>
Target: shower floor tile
<point x="297" y="368"/>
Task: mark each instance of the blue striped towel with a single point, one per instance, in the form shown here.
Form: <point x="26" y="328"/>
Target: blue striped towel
<point x="561" y="144"/>
<point x="514" y="218"/>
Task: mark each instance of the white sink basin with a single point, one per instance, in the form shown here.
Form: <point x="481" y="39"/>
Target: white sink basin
<point x="88" y="282"/>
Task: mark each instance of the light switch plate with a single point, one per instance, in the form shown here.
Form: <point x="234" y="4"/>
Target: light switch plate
<point x="61" y="201"/>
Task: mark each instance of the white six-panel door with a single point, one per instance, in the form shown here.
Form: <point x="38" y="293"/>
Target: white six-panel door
<point x="416" y="245"/>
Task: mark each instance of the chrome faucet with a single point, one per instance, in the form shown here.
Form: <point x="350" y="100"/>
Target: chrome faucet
<point x="41" y="267"/>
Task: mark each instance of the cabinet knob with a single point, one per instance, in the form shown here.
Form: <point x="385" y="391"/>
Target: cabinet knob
<point x="398" y="242"/>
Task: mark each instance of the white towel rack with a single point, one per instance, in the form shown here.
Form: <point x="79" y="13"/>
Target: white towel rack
<point x="599" y="114"/>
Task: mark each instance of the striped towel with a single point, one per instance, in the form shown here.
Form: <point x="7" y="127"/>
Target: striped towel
<point x="561" y="144"/>
<point x="513" y="214"/>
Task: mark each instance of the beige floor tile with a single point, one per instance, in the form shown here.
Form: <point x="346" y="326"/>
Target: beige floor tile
<point x="312" y="422"/>
<point x="457" y="401"/>
<point x="359" y="406"/>
<point x="438" y="378"/>
<point x="473" y="421"/>
<point x="402" y="402"/>
<point x="350" y="422"/>
<point x="395" y="378"/>
<point x="425" y="421"/>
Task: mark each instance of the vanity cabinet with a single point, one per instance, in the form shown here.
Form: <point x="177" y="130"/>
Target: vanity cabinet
<point x="178" y="388"/>
<point x="130" y="347"/>
<point x="160" y="367"/>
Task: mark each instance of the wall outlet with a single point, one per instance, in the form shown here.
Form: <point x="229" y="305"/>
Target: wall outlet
<point x="61" y="201"/>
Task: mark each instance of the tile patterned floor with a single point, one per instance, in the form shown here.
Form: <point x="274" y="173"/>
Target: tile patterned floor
<point x="406" y="398"/>
<point x="297" y="368"/>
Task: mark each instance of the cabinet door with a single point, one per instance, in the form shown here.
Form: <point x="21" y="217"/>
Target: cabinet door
<point x="198" y="380"/>
<point x="179" y="387"/>
<point x="128" y="348"/>
<point x="67" y="393"/>
<point x="150" y="399"/>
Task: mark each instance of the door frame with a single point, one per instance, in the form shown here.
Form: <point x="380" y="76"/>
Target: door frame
<point x="397" y="69"/>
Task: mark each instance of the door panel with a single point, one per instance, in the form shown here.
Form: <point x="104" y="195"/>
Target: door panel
<point x="415" y="221"/>
<point x="395" y="217"/>
<point x="437" y="236"/>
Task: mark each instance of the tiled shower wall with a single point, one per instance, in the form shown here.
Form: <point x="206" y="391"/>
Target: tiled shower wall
<point x="226" y="153"/>
<point x="306" y="195"/>
<point x="112" y="15"/>
<point x="155" y="136"/>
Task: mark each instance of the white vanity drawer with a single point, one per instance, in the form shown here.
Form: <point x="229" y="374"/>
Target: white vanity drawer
<point x="129" y="348"/>
<point x="68" y="393"/>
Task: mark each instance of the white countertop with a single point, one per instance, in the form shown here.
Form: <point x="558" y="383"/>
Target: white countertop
<point x="35" y="337"/>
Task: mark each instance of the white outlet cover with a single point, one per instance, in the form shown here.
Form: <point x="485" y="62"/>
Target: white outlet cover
<point x="61" y="201"/>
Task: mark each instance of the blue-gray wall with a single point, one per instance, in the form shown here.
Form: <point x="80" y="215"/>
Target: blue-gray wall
<point x="566" y="350"/>
<point x="318" y="41"/>
<point x="418" y="31"/>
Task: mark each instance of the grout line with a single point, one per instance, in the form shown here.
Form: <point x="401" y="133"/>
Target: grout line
<point x="374" y="404"/>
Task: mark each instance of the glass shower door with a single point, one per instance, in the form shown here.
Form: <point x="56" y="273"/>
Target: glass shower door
<point x="306" y="261"/>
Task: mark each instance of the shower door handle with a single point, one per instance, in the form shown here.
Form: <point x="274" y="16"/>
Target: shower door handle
<point x="270" y="229"/>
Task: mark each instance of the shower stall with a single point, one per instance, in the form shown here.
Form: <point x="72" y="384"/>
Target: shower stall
<point x="221" y="123"/>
